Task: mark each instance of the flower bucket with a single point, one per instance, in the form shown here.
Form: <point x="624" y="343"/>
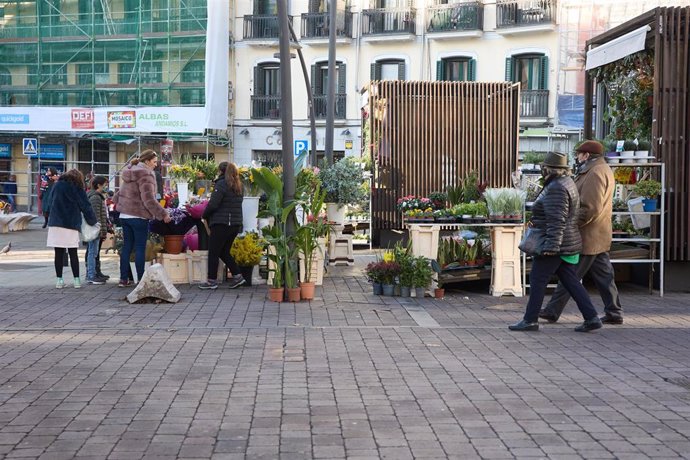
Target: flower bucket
<point x="419" y="292"/>
<point x="388" y="289"/>
<point x="649" y="205"/>
<point x="439" y="293"/>
<point x="247" y="272"/>
<point x="404" y="291"/>
<point x="294" y="294"/>
<point x="378" y="288"/>
<point x="173" y="243"/>
<point x="308" y="290"/>
<point x="250" y="210"/>
<point x="275" y="294"/>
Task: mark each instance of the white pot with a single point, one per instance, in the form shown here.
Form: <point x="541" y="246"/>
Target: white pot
<point x="641" y="156"/>
<point x="336" y="212"/>
<point x="527" y="167"/>
<point x="628" y="156"/>
<point x="613" y="158"/>
<point x="264" y="222"/>
<point x="250" y="209"/>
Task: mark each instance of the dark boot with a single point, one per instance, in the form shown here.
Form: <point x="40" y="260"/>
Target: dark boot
<point x="589" y="325"/>
<point x="524" y="326"/>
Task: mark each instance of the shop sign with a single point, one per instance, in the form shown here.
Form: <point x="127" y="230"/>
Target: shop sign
<point x="124" y="119"/>
<point x="51" y="152"/>
<point x="83" y="119"/>
<point x="5" y="150"/>
<point x="14" y="119"/>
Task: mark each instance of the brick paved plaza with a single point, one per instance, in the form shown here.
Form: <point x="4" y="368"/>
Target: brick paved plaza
<point x="226" y="374"/>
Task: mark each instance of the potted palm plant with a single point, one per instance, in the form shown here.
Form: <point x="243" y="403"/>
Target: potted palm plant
<point x="280" y="252"/>
<point x="307" y="236"/>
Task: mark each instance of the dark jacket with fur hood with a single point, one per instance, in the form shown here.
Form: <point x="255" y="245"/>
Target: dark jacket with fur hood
<point x="137" y="194"/>
<point x="69" y="202"/>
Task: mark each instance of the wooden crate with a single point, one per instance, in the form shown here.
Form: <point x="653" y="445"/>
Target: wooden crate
<point x="175" y="266"/>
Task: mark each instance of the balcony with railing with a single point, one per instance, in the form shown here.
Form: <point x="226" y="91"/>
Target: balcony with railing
<point x="516" y="16"/>
<point x="387" y="24"/>
<point x="266" y="107"/>
<point x="262" y="27"/>
<point x="320" y="106"/>
<point x="534" y="103"/>
<point x="315" y="26"/>
<point x="455" y="20"/>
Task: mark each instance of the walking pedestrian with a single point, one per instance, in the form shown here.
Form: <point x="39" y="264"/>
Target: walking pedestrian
<point x="224" y="215"/>
<point x="68" y="202"/>
<point x="10" y="189"/>
<point x="554" y="216"/>
<point x="93" y="257"/>
<point x="596" y="184"/>
<point x="137" y="204"/>
<point x="51" y="178"/>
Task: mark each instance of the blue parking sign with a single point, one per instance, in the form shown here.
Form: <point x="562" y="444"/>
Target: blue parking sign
<point x="301" y="146"/>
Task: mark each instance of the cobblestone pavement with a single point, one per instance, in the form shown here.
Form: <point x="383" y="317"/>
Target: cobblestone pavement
<point x="226" y="374"/>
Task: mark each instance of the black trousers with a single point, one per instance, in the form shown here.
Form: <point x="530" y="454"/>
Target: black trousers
<point x="60" y="257"/>
<point x="219" y="244"/>
<point x="600" y="269"/>
<point x="543" y="268"/>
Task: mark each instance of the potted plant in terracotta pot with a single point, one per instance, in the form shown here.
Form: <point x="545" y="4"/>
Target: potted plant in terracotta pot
<point x="307" y="236"/>
<point x="173" y="232"/>
<point x="247" y="251"/>
<point x="439" y="292"/>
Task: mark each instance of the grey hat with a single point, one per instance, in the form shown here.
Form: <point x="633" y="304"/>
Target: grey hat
<point x="556" y="160"/>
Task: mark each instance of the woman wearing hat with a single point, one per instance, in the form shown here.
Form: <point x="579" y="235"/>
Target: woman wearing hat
<point x="554" y="216"/>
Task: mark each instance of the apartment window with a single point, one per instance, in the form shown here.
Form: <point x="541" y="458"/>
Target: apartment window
<point x="98" y="73"/>
<point x="147" y="72"/>
<point x="456" y="69"/>
<point x="319" y="81"/>
<point x="266" y="7"/>
<point x="266" y="98"/>
<point x="193" y="72"/>
<point x="388" y="69"/>
<point x="530" y="70"/>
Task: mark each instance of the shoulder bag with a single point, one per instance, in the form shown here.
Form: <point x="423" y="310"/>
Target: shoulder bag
<point x="89" y="232"/>
<point x="532" y="242"/>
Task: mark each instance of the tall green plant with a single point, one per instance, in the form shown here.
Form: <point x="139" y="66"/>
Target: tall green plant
<point x="306" y="236"/>
<point x="342" y="182"/>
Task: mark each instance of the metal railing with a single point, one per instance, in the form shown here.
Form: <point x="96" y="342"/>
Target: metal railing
<point x="382" y="21"/>
<point x="455" y="17"/>
<point x="512" y="13"/>
<point x="261" y="26"/>
<point x="320" y="106"/>
<point x="267" y="107"/>
<point x="534" y="103"/>
<point x="315" y="25"/>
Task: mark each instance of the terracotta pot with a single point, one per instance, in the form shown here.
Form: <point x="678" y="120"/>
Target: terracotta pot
<point x="275" y="294"/>
<point x="173" y="243"/>
<point x="308" y="290"/>
<point x="294" y="294"/>
<point x="439" y="293"/>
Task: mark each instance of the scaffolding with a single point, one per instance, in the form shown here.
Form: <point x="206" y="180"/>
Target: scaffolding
<point x="102" y="52"/>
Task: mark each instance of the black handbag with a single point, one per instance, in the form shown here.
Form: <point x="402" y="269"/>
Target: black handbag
<point x="532" y="242"/>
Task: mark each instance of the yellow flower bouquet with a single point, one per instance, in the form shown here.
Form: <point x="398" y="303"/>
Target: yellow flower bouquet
<point x="248" y="249"/>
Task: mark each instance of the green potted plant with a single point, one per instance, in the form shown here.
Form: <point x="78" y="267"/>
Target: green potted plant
<point x="389" y="272"/>
<point x="407" y="274"/>
<point x="281" y="248"/>
<point x="423" y="275"/>
<point x="342" y="182"/>
<point x="649" y="190"/>
<point x="642" y="151"/>
<point x="628" y="153"/>
<point x="374" y="274"/>
<point x="307" y="236"/>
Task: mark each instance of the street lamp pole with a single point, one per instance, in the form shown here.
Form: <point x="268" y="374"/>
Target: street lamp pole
<point x="286" y="106"/>
<point x="330" y="90"/>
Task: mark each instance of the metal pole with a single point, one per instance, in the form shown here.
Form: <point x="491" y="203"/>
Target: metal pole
<point x="286" y="107"/>
<point x="310" y="99"/>
<point x="330" y="90"/>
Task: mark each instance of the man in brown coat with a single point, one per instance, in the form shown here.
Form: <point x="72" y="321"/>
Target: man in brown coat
<point x="596" y="185"/>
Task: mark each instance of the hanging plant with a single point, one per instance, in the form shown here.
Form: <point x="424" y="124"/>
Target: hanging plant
<point x="629" y="83"/>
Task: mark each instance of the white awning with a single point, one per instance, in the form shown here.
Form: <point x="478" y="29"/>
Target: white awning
<point x="630" y="43"/>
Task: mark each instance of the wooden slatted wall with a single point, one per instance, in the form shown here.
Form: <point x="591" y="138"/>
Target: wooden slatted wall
<point x="427" y="135"/>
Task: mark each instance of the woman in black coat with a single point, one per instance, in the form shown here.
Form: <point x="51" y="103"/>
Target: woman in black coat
<point x="554" y="217"/>
<point x="224" y="217"/>
<point x="68" y="203"/>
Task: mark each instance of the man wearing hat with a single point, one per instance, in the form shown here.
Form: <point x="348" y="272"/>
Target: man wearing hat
<point x="557" y="245"/>
<point x="595" y="183"/>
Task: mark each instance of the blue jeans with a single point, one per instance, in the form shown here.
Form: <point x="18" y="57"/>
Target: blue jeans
<point x="91" y="255"/>
<point x="135" y="233"/>
<point x="543" y="267"/>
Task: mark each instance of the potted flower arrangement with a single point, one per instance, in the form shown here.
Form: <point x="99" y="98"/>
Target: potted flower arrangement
<point x="342" y="182"/>
<point x="182" y="174"/>
<point x="420" y="215"/>
<point x="438" y="200"/>
<point x="307" y="236"/>
<point x="649" y="190"/>
<point x="375" y="276"/>
<point x="174" y="231"/>
<point x="250" y="203"/>
<point x="389" y="271"/>
<point x="205" y="171"/>
<point x="247" y="251"/>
